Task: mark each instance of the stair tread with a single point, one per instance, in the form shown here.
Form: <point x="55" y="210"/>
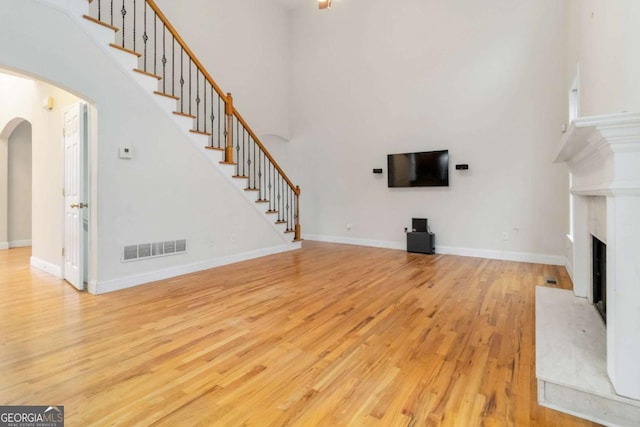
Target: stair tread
<point x="178" y="113"/>
<point x="240" y="176"/>
<point x="199" y="132"/>
<point x="282" y="221"/>
<point x="229" y="163"/>
<point x="168" y="95"/>
<point x="104" y="24"/>
<point x="146" y="73"/>
<point x="124" y="49"/>
<point x="208" y="147"/>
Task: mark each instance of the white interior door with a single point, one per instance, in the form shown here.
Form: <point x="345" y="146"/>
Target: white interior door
<point x="74" y="193"/>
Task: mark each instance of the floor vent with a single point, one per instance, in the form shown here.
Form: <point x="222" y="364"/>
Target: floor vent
<point x="551" y="281"/>
<point x="153" y="250"/>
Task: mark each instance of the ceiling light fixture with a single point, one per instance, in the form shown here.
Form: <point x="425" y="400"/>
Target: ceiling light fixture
<point x="324" y="4"/>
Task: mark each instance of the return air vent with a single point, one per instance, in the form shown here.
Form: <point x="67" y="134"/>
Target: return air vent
<point x="153" y="250"/>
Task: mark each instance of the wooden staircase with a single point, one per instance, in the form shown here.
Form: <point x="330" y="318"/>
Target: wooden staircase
<point x="156" y="56"/>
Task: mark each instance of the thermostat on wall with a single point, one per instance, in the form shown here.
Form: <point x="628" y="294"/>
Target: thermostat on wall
<point x="126" y="152"/>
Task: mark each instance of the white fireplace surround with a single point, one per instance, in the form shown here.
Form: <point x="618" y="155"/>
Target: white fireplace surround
<point x="603" y="155"/>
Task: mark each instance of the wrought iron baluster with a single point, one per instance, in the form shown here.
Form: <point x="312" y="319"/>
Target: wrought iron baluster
<point x="244" y="152"/>
<point x="255" y="185"/>
<point x="237" y="135"/>
<point x="265" y="177"/>
<point x="289" y="228"/>
<point x="197" y="99"/>
<point x="225" y="130"/>
<point x="189" y="84"/>
<point x="173" y="65"/>
<point x="213" y="117"/>
<point x="260" y="162"/>
<point x="249" y="159"/>
<point x="155" y="43"/>
<point x="284" y="205"/>
<point x="285" y="202"/>
<point x="164" y="59"/>
<point x="278" y="197"/>
<point x="111" y="13"/>
<point x="181" y="79"/>
<point x="204" y="115"/>
<point x="284" y="199"/>
<point x="272" y="199"/>
<point x="123" y="11"/>
<point x="248" y="156"/>
<point x="238" y="150"/>
<point x="219" y="103"/>
<point x="145" y="37"/>
<point x="99" y="11"/>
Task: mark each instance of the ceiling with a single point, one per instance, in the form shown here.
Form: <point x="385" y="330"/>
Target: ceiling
<point x="291" y="4"/>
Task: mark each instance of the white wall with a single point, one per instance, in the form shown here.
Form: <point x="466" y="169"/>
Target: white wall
<point x="245" y="45"/>
<point x="484" y="80"/>
<point x="19" y="186"/>
<point x="169" y="190"/>
<point x="604" y="40"/>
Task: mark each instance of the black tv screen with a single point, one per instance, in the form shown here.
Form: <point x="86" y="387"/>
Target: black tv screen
<point x="425" y="169"/>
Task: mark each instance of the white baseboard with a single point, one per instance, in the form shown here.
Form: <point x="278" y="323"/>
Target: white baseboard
<point x="503" y="255"/>
<point x="19" y="243"/>
<point x="387" y="244"/>
<point x="46" y="266"/>
<point x="569" y="268"/>
<point x="4" y="245"/>
<point x="447" y="250"/>
<point x="152" y="276"/>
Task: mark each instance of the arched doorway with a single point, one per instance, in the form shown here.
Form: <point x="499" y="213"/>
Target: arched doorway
<point x="15" y="190"/>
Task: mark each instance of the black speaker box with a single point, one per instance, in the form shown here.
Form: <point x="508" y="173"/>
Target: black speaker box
<point x="423" y="243"/>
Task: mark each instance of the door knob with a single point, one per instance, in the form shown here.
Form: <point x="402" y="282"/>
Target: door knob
<point x="73" y="205"/>
<point x="79" y="205"/>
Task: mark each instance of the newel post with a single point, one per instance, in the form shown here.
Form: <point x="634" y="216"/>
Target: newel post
<point x="296" y="234"/>
<point x="228" y="111"/>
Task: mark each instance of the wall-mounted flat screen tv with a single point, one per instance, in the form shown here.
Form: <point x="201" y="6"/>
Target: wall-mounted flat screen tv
<point x="425" y="169"/>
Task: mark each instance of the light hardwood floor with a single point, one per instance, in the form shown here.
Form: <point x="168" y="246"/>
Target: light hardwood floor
<point x="331" y="335"/>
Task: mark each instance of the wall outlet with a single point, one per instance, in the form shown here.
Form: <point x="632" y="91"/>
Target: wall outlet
<point x="505" y="235"/>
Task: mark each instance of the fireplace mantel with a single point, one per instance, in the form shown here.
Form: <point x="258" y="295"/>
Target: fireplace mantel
<point x="603" y="154"/>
